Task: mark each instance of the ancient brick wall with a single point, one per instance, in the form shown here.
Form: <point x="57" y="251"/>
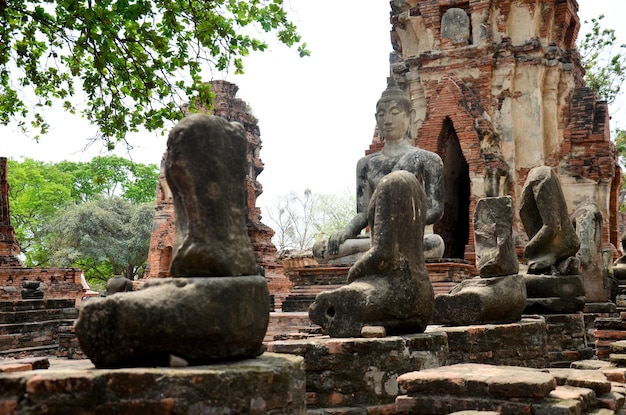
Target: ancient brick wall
<point x="55" y="282"/>
<point x="228" y="106"/>
<point x="500" y="91"/>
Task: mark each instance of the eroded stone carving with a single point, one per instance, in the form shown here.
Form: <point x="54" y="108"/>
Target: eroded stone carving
<point x="193" y="317"/>
<point x="499" y="294"/>
<point x="118" y="284"/>
<point x="587" y="220"/>
<point x="493" y="237"/>
<point x="553" y="241"/>
<point x="389" y="285"/>
<point x="455" y="25"/>
<point x="481" y="301"/>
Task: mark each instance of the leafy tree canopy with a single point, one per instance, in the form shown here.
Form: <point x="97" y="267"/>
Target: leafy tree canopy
<point x="136" y="61"/>
<point x="101" y="236"/>
<point x="39" y="191"/>
<point x="604" y="61"/>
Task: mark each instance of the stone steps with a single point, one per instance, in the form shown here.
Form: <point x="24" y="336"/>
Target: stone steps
<point x="19" y="317"/>
<point x="30" y="351"/>
<point x="13" y="306"/>
<point x="509" y="390"/>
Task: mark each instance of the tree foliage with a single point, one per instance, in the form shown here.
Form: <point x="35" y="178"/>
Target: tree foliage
<point x="40" y="190"/>
<point x="604" y="61"/>
<point x="136" y="61"/>
<point x="104" y="237"/>
<point x="300" y="220"/>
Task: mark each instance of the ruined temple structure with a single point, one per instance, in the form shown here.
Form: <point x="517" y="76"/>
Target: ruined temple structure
<point x="9" y="247"/>
<point x="226" y="105"/>
<point x="498" y="89"/>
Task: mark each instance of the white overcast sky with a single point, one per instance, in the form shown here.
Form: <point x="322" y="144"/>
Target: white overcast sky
<point x="316" y="114"/>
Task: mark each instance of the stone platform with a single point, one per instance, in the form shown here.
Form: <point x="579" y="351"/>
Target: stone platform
<point x="270" y="383"/>
<point x="515" y="344"/>
<point x="508" y="391"/>
<point x="360" y="372"/>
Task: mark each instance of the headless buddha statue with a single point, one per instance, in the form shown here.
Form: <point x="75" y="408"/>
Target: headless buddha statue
<point x="394" y="117"/>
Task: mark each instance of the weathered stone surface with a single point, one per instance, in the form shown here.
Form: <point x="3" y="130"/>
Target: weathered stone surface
<point x="455" y="25"/>
<point x="554" y="286"/>
<point x="547" y="294"/>
<point x="554" y="305"/>
<point x="587" y="220"/>
<point x="479" y="380"/>
<point x="481" y="301"/>
<point x="493" y="237"/>
<point x="269" y="384"/>
<point x="198" y="319"/>
<point x="590" y="379"/>
<point x="206" y="169"/>
<point x="357" y="372"/>
<point x="389" y="285"/>
<point x="118" y="284"/>
<point x="543" y="212"/>
<point x="618" y="346"/>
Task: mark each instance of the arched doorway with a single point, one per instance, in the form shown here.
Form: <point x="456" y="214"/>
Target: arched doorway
<point x="454" y="226"/>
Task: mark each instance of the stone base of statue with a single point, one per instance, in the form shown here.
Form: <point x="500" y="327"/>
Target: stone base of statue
<point x="182" y="317"/>
<point x="554" y="294"/>
<point x="389" y="285"/>
<point x="396" y="303"/>
<point x="352" y="375"/>
<point x="482" y="301"/>
<point x="269" y="384"/>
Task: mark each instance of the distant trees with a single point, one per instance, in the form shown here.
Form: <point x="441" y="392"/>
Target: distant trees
<point x="103" y="237"/>
<point x="603" y="60"/>
<point x="93" y="215"/>
<point x="301" y="219"/>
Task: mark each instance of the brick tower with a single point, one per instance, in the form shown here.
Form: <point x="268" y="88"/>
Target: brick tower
<point x="9" y="246"/>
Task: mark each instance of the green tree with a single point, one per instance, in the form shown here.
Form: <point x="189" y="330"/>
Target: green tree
<point x="103" y="237"/>
<point x="108" y="176"/>
<point x="135" y="61"/>
<point x="39" y="190"/>
<point x="604" y="61"/>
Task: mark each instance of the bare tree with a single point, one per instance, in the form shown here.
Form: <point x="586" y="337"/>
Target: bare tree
<point x="299" y="220"/>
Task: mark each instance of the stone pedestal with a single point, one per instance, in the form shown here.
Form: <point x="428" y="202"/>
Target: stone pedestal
<point x="268" y="384"/>
<point x="353" y="372"/>
<point x="516" y="344"/>
<point x="549" y="294"/>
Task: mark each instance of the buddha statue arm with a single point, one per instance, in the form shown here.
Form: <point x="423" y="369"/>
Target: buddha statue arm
<point x="359" y="222"/>
<point x="433" y="186"/>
